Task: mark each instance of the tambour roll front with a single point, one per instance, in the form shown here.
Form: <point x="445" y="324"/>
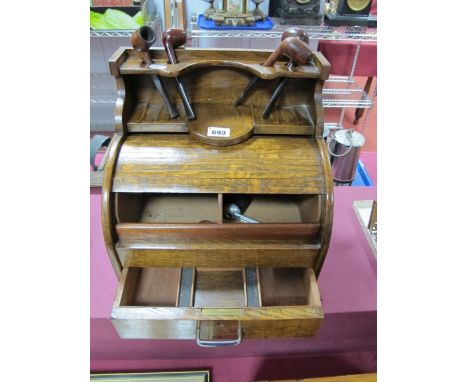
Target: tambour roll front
<point x="217" y="226"/>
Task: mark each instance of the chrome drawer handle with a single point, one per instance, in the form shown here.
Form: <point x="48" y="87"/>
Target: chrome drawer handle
<point x="219" y="343"/>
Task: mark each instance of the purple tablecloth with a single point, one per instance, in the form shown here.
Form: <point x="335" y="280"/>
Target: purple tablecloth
<point x="348" y="289"/>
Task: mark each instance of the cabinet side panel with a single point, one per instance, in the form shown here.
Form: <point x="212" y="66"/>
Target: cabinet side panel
<point x="107" y="203"/>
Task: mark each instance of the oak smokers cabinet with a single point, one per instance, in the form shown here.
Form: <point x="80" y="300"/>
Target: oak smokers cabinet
<point x="185" y="270"/>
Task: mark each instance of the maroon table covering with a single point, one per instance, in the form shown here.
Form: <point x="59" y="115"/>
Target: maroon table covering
<point x="344" y="344"/>
<point x="341" y="56"/>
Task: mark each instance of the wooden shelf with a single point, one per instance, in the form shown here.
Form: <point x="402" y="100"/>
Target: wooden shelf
<point x="190" y="60"/>
<point x="151" y="117"/>
<point x="286" y="120"/>
<point x="237" y="121"/>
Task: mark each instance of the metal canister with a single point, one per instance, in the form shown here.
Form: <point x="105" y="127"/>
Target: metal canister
<point x="344" y="148"/>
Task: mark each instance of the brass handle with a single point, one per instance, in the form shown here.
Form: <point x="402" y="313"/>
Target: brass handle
<point x="219" y="343"/>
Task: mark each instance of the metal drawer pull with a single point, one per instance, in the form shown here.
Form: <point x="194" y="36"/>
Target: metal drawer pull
<point x="219" y="343"/>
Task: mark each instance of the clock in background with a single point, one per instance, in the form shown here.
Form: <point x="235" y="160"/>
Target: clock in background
<point x="354" y="7"/>
<point x="298" y="12"/>
<point x="351" y="12"/>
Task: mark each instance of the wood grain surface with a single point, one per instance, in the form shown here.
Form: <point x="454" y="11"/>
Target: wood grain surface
<point x="238" y="120"/>
<point x="283" y="286"/>
<point x="191" y="58"/>
<point x="219" y="296"/>
<point x="215" y="85"/>
<point x="178" y="164"/>
<point x="214" y="76"/>
<point x="165" y="208"/>
<point x="216" y="234"/>
<point x="327" y="207"/>
<point x="151" y="287"/>
<point x="224" y="289"/>
<point x="166" y="185"/>
<point x="238" y="254"/>
<point x="296" y="119"/>
<point x="107" y="203"/>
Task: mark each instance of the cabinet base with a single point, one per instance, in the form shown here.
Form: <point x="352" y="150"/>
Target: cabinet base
<point x="337" y="20"/>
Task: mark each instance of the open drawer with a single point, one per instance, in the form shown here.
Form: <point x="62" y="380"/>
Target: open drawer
<point x="217" y="306"/>
<point x="193" y="230"/>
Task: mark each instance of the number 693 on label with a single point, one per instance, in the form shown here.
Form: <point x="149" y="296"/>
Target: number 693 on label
<point x="222" y="132"/>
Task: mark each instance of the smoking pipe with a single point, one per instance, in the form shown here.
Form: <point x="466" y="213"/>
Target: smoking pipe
<point x="243" y="201"/>
<point x="298" y="52"/>
<point x="290" y="32"/>
<point x="293" y="48"/>
<point x="172" y="39"/>
<point x="141" y="41"/>
<point x="233" y="211"/>
<point x="295" y="32"/>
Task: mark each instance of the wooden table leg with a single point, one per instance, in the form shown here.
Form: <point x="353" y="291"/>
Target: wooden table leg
<point x="360" y="111"/>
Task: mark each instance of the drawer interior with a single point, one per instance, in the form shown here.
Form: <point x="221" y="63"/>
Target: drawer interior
<point x="154" y="208"/>
<point x="151" y="287"/>
<point x="285" y="286"/>
<point x="217" y="287"/>
<point x="275" y="208"/>
<point x="166" y="208"/>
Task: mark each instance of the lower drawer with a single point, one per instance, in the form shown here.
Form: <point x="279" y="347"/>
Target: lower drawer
<point x="217" y="306"/>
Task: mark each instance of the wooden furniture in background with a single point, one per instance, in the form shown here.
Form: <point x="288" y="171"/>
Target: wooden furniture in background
<point x="366" y="213"/>
<point x="360" y="111"/>
<point x="342" y="378"/>
<point x="185" y="270"/>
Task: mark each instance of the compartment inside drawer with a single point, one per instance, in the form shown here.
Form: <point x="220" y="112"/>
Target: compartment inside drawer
<point x="160" y="208"/>
<point x="275" y="208"/>
<point x="166" y="208"/>
<point x="151" y="287"/>
<point x="172" y="303"/>
<point x="218" y="288"/>
<point x="285" y="286"/>
<point x="189" y="230"/>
